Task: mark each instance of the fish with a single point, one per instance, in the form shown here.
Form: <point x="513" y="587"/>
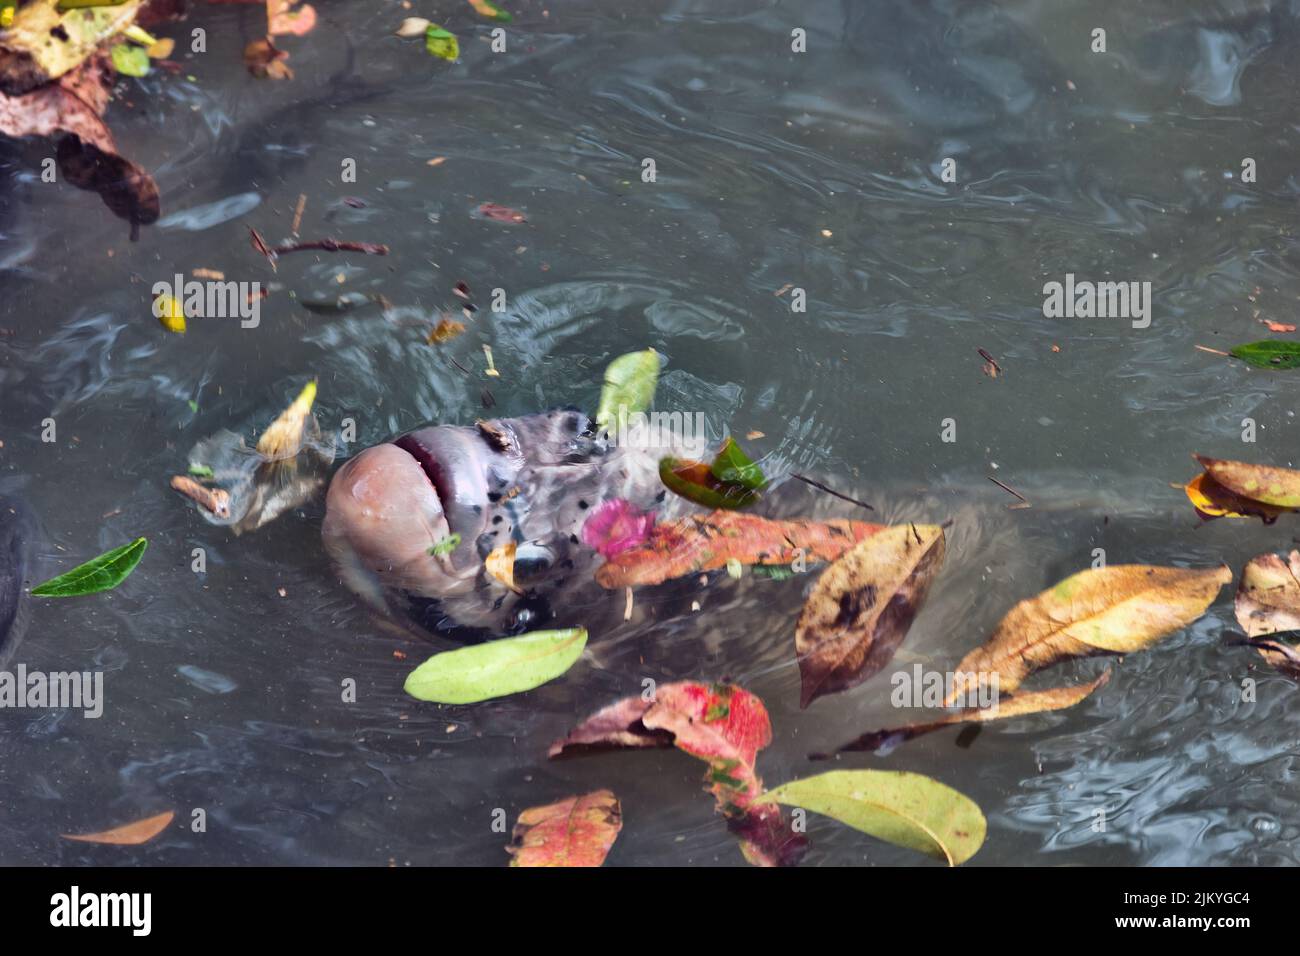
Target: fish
<point x="17" y="539"/>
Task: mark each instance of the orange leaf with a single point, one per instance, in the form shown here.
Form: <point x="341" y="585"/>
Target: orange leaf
<point x="131" y="834"/>
<point x="500" y="563"/>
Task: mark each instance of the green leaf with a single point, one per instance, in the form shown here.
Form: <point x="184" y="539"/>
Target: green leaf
<point x="508" y="666"/>
<point x="446" y="546"/>
<point x="732" y="466"/>
<point x="130" y="60"/>
<point x="98" y="574"/>
<point x="730" y="497"/>
<point x="200" y="471"/>
<point x="441" y="43"/>
<point x="1269" y="353"/>
<point x="906" y="809"/>
<point x="630" y="382"/>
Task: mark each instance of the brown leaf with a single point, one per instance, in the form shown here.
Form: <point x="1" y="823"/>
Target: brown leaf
<point x="1212" y="500"/>
<point x="575" y="831"/>
<point x="862" y="606"/>
<point x="445" y="330"/>
<point x="500" y="564"/>
<point x="131" y="834"/>
<point x="264" y="61"/>
<point x="1111" y="610"/>
<point x="1268" y="602"/>
<point x="707" y="542"/>
<point x="1279" y="487"/>
<point x="1018" y="705"/>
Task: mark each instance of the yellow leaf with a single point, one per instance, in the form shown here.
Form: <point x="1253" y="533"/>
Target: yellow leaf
<point x="161" y="49"/>
<point x="1279" y="487"/>
<point x="500" y="564"/>
<point x="284" y="436"/>
<point x="1112" y="610"/>
<point x="169" y="312"/>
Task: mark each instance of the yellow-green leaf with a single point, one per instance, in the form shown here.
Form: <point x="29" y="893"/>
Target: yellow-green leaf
<point x="498" y="668"/>
<point x="1273" y="486"/>
<point x="906" y="809"/>
<point x="49" y="41"/>
<point x="441" y="43"/>
<point x="630" y="382"/>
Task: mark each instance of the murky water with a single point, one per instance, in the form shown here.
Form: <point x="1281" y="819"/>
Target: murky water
<point x="822" y="170"/>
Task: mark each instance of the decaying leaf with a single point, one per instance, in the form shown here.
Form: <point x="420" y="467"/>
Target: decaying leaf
<point x="1113" y="610"/>
<point x="499" y="213"/>
<point x="283" y="437"/>
<point x="265" y="61"/>
<point x="130" y="834"/>
<point x="906" y="809"/>
<point x="500" y="564"/>
<point x="722" y="724"/>
<point x="575" y="831"/>
<point x="1268" y="602"/>
<point x="445" y="330"/>
<point x="862" y="606"/>
<point x="1279" y="487"/>
<point x="1017" y="705"/>
<point x="45" y="43"/>
<point x="283" y="18"/>
<point x="707" y="542"/>
<point x="696" y="482"/>
<point x="1212" y="500"/>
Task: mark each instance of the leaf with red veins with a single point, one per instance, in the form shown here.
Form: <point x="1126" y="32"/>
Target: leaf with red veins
<point x="724" y="725"/>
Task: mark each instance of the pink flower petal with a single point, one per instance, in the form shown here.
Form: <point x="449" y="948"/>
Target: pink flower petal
<point x="616" y="525"/>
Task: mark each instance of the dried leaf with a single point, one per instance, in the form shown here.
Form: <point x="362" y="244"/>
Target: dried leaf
<point x="1268" y="602"/>
<point x="1112" y="610"/>
<point x="1018" y="705"/>
<point x="445" y="330"/>
<point x="265" y="61"/>
<point x="1279" y="487"/>
<point x="283" y="438"/>
<point x="706" y="542"/>
<point x="44" y="42"/>
<point x="862" y="606"/>
<point x="575" y="831"/>
<point x="283" y="19"/>
<point x="500" y="564"/>
<point x="722" y="724"/>
<point x="130" y="834"/>
<point x="1212" y="500"/>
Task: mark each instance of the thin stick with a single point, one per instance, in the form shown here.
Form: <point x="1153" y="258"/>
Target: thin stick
<point x="333" y="245"/>
<point x="297" y="213"/>
<point x="1206" y="348"/>
<point x="831" y="491"/>
<point x="1011" y="491"/>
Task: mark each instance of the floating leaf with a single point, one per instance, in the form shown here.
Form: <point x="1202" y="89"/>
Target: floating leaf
<point x="161" y="49"/>
<point x="283" y="437"/>
<point x="722" y="724"/>
<point x="445" y="331"/>
<point x="500" y="564"/>
<point x="1019" y="705"/>
<point x="413" y="27"/>
<point x="511" y="665"/>
<point x="706" y="542"/>
<point x="282" y="19"/>
<point x="695" y="481"/>
<point x="1113" y="610"/>
<point x="265" y="61"/>
<point x="575" y="831"/>
<point x="98" y="574"/>
<point x="1212" y="500"/>
<point x="733" y="467"/>
<point x="200" y="471"/>
<point x="1268" y="602"/>
<point x="446" y="546"/>
<point x="630" y="382"/>
<point x="906" y="809"/>
<point x="170" y="313"/>
<point x="130" y="60"/>
<point x="1279" y="487"/>
<point x="45" y="42"/>
<point x="487" y="8"/>
<point x="441" y="43"/>
<point x="862" y="606"/>
<point x="131" y="834"/>
<point x="1269" y="353"/>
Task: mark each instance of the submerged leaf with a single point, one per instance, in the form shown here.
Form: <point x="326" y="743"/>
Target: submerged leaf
<point x="1113" y="610"/>
<point x="1279" y="487"/>
<point x="511" y="665"/>
<point x="733" y="467"/>
<point x="862" y="606"/>
<point x="630" y="382"/>
<point x="1018" y="705"/>
<point x="283" y="437"/>
<point x="130" y="834"/>
<point x="707" y="542"/>
<point x="575" y="831"/>
<point x="722" y="724"/>
<point x="906" y="809"/>
<point x="1269" y="353"/>
<point x="98" y="574"/>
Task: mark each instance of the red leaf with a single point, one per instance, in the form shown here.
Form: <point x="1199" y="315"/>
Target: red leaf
<point x="575" y="831"/>
<point x="490" y="210"/>
<point x="707" y="542"/>
<point x="724" y="725"/>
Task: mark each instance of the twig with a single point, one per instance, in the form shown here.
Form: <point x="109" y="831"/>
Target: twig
<point x="1008" y="490"/>
<point x="333" y="245"/>
<point x="1206" y="348"/>
<point x="297" y="213"/>
<point x="831" y="491"/>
